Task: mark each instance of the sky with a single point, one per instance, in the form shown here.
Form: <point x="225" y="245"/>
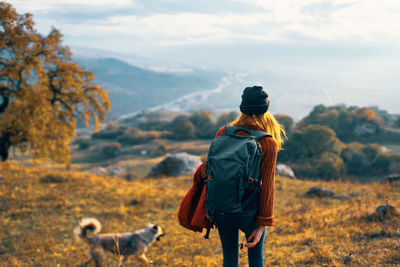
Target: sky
<point x="130" y="25"/>
<point x="347" y="49"/>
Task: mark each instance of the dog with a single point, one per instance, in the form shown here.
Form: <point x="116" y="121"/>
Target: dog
<point x="122" y="244"/>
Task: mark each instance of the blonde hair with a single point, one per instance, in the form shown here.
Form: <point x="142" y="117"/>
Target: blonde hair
<point x="265" y="122"/>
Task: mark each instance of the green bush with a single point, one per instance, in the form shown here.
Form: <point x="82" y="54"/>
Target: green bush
<point x="386" y="163"/>
<point x="327" y="166"/>
<point x="225" y="118"/>
<point x="110" y="150"/>
<point x="204" y="126"/>
<point x="372" y="151"/>
<point x="356" y="161"/>
<point x="162" y="148"/>
<point x="397" y="122"/>
<point x="135" y="136"/>
<point x="381" y="164"/>
<point x="83" y="143"/>
<point x="153" y="124"/>
<point x="309" y="142"/>
<point x="182" y="128"/>
<point x="110" y="132"/>
<point x="201" y="119"/>
<point x="349" y="123"/>
<point x="286" y="121"/>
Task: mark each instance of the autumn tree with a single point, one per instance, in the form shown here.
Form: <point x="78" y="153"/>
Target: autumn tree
<point x="312" y="141"/>
<point x="225" y="118"/>
<point x="349" y="123"/>
<point x="42" y="91"/>
<point x="182" y="128"/>
<point x="314" y="151"/>
<point x="202" y="121"/>
<point x="286" y="121"/>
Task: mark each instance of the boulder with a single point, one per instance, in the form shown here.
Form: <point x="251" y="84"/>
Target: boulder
<point x="391" y="178"/>
<point x="175" y="165"/>
<point x="117" y="171"/>
<point x="284" y="170"/>
<point x="365" y="129"/>
<point x="385" y="210"/>
<point x="319" y="192"/>
<point x="100" y="171"/>
<point x="322" y="192"/>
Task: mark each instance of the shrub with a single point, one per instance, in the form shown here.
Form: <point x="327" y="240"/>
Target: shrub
<point x="358" y="163"/>
<point x="386" y="163"/>
<point x="162" y="148"/>
<point x="355" y="159"/>
<point x="202" y="121"/>
<point x="372" y="151"/>
<point x="182" y="128"/>
<point x="329" y="165"/>
<point x="110" y="150"/>
<point x="225" y="118"/>
<point x="135" y="136"/>
<point x="153" y="125"/>
<point x="312" y="141"/>
<point x="110" y="132"/>
<point x="326" y="166"/>
<point x="397" y="122"/>
<point x="349" y="123"/>
<point x="394" y="167"/>
<point x="286" y="121"/>
<point x="83" y="143"/>
<point x="381" y="164"/>
<point x="52" y="179"/>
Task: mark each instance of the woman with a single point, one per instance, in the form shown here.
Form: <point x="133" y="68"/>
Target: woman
<point x="255" y="116"/>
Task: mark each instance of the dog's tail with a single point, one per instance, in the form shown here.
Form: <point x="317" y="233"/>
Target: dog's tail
<point x="86" y="224"/>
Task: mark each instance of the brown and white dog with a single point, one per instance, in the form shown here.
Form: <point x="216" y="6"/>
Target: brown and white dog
<point x="123" y="244"/>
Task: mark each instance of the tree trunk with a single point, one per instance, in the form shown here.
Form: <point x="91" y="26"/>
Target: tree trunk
<point x="5" y="145"/>
<point x="6" y="99"/>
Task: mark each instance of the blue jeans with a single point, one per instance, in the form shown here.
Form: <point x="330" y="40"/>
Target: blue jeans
<point x="229" y="225"/>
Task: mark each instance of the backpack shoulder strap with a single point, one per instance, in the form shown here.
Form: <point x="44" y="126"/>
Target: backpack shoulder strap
<point x="257" y="134"/>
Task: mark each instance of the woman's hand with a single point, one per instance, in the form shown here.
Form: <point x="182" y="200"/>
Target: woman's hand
<point x="254" y="238"/>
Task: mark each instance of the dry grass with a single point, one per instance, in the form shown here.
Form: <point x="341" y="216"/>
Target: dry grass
<point x="40" y="208"/>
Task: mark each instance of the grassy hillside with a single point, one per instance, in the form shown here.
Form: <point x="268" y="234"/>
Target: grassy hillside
<point x="40" y="208"/>
<point x="132" y="89"/>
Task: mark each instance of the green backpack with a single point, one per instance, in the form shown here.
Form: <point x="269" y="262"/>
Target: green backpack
<point x="233" y="166"/>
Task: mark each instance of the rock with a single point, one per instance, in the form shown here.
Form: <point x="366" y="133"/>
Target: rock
<point x="353" y="194"/>
<point x="135" y="202"/>
<point x="100" y="171"/>
<point x="365" y="129"/>
<point x="52" y="179"/>
<point x="319" y="192"/>
<point x="340" y="196"/>
<point x="322" y="192"/>
<point x="1" y="177"/>
<point x="117" y="171"/>
<point x="284" y="170"/>
<point x="385" y="210"/>
<point x="391" y="178"/>
<point x="176" y="165"/>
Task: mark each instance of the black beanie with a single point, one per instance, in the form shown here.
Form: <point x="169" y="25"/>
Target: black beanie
<point x="254" y="100"/>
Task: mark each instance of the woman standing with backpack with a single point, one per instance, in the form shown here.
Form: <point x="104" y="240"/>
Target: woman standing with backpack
<point x="255" y="116"/>
<point x="255" y="188"/>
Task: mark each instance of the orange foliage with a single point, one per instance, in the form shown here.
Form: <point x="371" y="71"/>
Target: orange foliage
<point x="43" y="92"/>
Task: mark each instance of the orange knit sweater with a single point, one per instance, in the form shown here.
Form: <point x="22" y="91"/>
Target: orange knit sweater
<point x="267" y="173"/>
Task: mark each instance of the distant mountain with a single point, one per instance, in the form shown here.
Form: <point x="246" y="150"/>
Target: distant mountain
<point x="132" y="89"/>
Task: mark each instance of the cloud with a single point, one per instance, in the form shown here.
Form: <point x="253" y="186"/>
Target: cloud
<point x="48" y="6"/>
<point x="168" y="23"/>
